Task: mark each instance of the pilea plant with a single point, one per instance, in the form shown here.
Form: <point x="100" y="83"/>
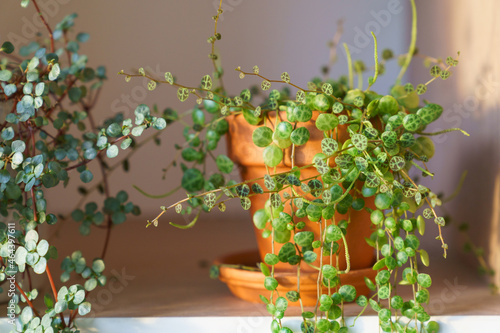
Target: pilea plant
<point x="48" y="96"/>
<point x="329" y="154"/>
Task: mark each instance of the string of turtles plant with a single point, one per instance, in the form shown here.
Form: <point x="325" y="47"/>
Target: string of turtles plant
<point x="387" y="139"/>
<point x="42" y="144"/>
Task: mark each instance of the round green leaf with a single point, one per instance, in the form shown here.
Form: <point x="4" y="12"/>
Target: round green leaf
<point x="272" y="155"/>
<point x="84" y="308"/>
<point x="348" y="293"/>
<point x="302" y="113"/>
<point x="359" y="141"/>
<point x="86" y="176"/>
<point x="304" y="238"/>
<point x="112" y="151"/>
<point x="262" y="136"/>
<point x="192" y="180"/>
<point x="224" y="164"/>
<point x="326" y="122"/>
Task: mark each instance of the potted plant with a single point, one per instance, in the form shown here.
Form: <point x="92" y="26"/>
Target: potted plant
<point x="327" y="170"/>
<point x="48" y="137"/>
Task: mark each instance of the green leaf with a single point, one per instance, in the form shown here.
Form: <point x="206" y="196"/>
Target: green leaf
<point x="397" y="163"/>
<point x="4" y="176"/>
<point x="17" y="159"/>
<point x="54" y="72"/>
<point x="169" y="78"/>
<point x="112" y="151"/>
<point x="304" y="238"/>
<point x="90" y="284"/>
<point x="137" y="131"/>
<point x="286" y="252"/>
<point x="300" y="136"/>
<point x="265" y="85"/>
<point x="224" y="164"/>
<point x="18" y="146"/>
<point x="126" y="143"/>
<point x="182" y="94"/>
<point x="7" y="47"/>
<point x="40" y="266"/>
<point x="264" y="269"/>
<point x="424" y="257"/>
<point x="33" y="63"/>
<point x="245" y="203"/>
<point x="84" y="308"/>
<point x="310" y="256"/>
<point x="359" y="141"/>
<point x="26" y="315"/>
<point x="300" y="96"/>
<point x="42" y="248"/>
<point x="272" y="156"/>
<point x="114" y="130"/>
<point x="82" y="37"/>
<point x="270" y="283"/>
<point x="262" y="136"/>
<point x="327" y="88"/>
<point x="329" y="272"/>
<point x="333" y="233"/>
<point x="8" y="133"/>
<point x="424" y="280"/>
<point x="206" y="82"/>
<point x="151" y="85"/>
<point x="271" y="259"/>
<point x="31" y="235"/>
<point x="348" y="293"/>
<point x="75" y="94"/>
<point x="86" y="176"/>
<point x="422" y="296"/>
<point x="192" y="180"/>
<point x="79" y="297"/>
<point x="159" y="124"/>
<point x="326" y="122"/>
<point x="5" y="75"/>
<point x="302" y="113"/>
<point x="20" y="256"/>
<point x="98" y="266"/>
<point x="281" y="304"/>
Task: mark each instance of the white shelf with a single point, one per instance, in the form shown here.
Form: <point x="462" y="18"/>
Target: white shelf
<point x="366" y="324"/>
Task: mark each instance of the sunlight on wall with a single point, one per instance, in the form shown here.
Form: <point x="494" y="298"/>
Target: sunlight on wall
<point x="477" y="30"/>
<point x="476" y="23"/>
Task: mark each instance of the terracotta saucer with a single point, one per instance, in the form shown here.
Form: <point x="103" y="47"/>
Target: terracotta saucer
<point x="248" y="285"/>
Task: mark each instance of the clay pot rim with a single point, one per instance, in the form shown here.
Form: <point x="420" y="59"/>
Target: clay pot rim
<point x="255" y="279"/>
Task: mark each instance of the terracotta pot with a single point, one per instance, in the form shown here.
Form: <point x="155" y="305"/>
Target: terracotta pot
<point x="249" y="158"/>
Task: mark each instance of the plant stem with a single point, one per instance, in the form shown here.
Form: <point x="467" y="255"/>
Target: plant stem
<point x="445" y="131"/>
<point x="27" y="300"/>
<point x="214" y="63"/>
<point x="105" y="185"/>
<point x="375" y="76"/>
<point x="413" y="43"/>
<point x="349" y="66"/>
<point x="52" y="48"/>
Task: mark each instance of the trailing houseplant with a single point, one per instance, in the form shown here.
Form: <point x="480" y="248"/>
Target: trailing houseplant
<point x="49" y="136"/>
<point x="324" y="157"/>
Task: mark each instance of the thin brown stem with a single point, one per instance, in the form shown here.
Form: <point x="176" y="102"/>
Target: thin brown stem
<point x="26" y="298"/>
<point x="105" y="184"/>
<point x="51" y="36"/>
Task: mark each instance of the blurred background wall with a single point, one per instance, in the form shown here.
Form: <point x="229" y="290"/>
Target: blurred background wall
<point x="471" y="99"/>
<point x="292" y="36"/>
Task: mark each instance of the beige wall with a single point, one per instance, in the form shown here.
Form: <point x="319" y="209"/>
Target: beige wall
<point x="279" y="35"/>
<point x="471" y="98"/>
